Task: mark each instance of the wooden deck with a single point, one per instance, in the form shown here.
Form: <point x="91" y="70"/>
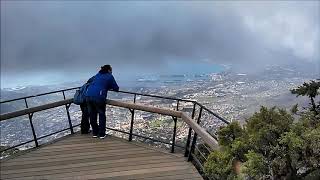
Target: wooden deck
<point x="83" y="157"/>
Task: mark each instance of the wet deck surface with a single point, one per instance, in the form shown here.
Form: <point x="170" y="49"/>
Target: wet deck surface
<point x="83" y="157"/>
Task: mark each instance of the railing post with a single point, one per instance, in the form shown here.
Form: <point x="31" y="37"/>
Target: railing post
<point x="174" y="134"/>
<point x="186" y="153"/>
<point x="131" y="124"/>
<point x="194" y="140"/>
<point x="68" y="114"/>
<point x="33" y="131"/>
<point x="132" y="118"/>
<point x="31" y="124"/>
<point x="177" y="105"/>
<point x="174" y="129"/>
<point x="25" y="101"/>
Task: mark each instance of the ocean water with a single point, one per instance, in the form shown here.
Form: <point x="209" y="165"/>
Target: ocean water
<point x="175" y="74"/>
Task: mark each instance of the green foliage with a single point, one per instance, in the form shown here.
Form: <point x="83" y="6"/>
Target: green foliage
<point x="239" y="148"/>
<point x="312" y="148"/>
<point x="271" y="145"/>
<point x="256" y="165"/>
<point x="219" y="165"/>
<point x="313" y="175"/>
<point x="265" y="127"/>
<point x="311" y="90"/>
<point x="294" y="109"/>
<point x="228" y="134"/>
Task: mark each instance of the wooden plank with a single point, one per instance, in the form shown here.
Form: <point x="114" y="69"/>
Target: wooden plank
<point x="175" y="176"/>
<point x="103" y="166"/>
<point x="85" y="164"/>
<point x="74" y="151"/>
<point x="89" y="140"/>
<point x="78" y="136"/>
<point x="153" y="174"/>
<point x="75" y="161"/>
<point x="18" y="163"/>
<point x="83" y="146"/>
<point x="83" y="157"/>
<point x="86" y="143"/>
<point x="111" y="172"/>
<point x="99" y="165"/>
<point x="80" y="154"/>
<point x="133" y="173"/>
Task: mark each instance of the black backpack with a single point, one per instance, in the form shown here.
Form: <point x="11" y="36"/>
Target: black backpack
<point x="80" y="95"/>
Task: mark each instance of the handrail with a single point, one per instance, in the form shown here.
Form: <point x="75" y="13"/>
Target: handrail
<point x="200" y="131"/>
<point x="126" y="92"/>
<point x="34" y="109"/>
<point x="215" y="114"/>
<point x="155" y="96"/>
<point x="37" y="95"/>
<point x="137" y="106"/>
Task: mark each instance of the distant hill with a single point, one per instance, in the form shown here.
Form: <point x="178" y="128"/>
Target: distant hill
<point x="13" y="93"/>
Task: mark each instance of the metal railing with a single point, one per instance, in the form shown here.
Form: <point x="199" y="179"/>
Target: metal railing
<point x="191" y="148"/>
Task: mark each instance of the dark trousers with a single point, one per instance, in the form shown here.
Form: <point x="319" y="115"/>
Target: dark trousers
<point x="95" y="108"/>
<point x="85" y="126"/>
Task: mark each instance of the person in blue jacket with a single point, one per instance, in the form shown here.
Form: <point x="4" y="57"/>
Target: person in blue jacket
<point x="85" y="125"/>
<point x="96" y="95"/>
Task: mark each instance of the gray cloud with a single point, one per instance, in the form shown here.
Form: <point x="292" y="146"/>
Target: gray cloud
<point x="74" y="36"/>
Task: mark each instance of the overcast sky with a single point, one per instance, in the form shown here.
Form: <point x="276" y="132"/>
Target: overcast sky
<point x="45" y="41"/>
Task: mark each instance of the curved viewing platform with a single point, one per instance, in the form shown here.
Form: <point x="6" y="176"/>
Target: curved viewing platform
<point x="75" y="156"/>
<point x="83" y="157"/>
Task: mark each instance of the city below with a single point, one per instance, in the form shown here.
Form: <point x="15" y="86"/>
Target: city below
<point x="233" y="96"/>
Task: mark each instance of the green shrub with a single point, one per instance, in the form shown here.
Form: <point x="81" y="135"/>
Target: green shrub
<point x="271" y="145"/>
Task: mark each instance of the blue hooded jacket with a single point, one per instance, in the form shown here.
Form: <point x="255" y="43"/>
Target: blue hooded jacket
<point x="99" y="86"/>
